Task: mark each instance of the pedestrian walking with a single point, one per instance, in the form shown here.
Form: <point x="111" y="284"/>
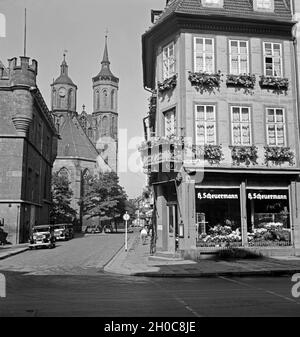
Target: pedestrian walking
<point x="144" y="235"/>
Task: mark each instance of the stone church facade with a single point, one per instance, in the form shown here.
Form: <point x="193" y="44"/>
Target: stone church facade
<point x="88" y="142"/>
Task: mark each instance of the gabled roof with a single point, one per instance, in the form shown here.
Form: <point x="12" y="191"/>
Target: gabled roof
<point x="232" y="8"/>
<point x="74" y="141"/>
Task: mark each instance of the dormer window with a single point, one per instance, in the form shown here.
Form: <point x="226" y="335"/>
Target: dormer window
<point x="264" y="5"/>
<point x="212" y="3"/>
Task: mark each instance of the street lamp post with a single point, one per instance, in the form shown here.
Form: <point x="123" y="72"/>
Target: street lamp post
<point x="126" y="217"/>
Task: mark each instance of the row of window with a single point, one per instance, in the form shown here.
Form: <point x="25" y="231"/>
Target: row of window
<point x="104" y="99"/>
<point x="241" y="126"/>
<point x="204" y="57"/>
<point x="258" y="5"/>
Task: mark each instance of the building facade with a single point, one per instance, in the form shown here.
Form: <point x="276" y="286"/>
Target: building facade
<point x="28" y="146"/>
<point x="77" y="156"/>
<point x="222" y="151"/>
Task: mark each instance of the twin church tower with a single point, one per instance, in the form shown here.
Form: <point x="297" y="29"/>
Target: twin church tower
<point x="100" y="127"/>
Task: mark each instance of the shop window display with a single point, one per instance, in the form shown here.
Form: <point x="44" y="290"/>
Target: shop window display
<point x="218" y="218"/>
<point x="268" y="218"/>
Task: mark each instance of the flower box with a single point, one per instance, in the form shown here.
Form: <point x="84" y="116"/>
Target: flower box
<point x="275" y="83"/>
<point x="279" y="155"/>
<point x="168" y="84"/>
<point x="205" y="81"/>
<point x="246" y="81"/>
<point x="244" y="155"/>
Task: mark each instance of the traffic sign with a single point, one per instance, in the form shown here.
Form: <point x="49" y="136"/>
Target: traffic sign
<point x="126" y="217"/>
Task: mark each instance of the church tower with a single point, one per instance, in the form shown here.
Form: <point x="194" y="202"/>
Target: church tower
<point x="63" y="92"/>
<point x="105" y="112"/>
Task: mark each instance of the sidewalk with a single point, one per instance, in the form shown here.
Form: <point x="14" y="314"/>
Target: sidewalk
<point x="136" y="262"/>
<point x="9" y="250"/>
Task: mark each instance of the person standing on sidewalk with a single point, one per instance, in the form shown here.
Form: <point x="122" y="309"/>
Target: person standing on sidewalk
<point x="144" y="235"/>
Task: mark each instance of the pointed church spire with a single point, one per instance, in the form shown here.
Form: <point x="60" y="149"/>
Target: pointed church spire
<point x="64" y="66"/>
<point x="105" y="54"/>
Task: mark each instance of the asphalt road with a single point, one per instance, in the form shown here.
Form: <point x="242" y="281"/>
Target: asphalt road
<point x="69" y="281"/>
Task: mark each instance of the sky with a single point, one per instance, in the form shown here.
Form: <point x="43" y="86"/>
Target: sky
<point x="79" y="27"/>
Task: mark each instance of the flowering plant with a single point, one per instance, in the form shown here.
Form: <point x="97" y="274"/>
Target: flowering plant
<point x="205" y="81"/>
<point x="244" y="154"/>
<point x="223" y="235"/>
<point x="168" y="84"/>
<point x="269" y="232"/>
<point x="243" y="80"/>
<point x="279" y="155"/>
<point x="276" y="83"/>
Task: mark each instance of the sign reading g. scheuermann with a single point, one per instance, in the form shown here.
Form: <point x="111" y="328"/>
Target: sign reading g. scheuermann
<point x="216" y="196"/>
<point x="260" y="196"/>
<point x="2" y="25"/>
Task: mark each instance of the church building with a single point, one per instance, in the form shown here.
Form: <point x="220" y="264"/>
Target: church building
<point x="88" y="143"/>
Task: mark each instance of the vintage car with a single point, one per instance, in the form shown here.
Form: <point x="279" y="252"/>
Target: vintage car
<point x="63" y="231"/>
<point x="42" y="236"/>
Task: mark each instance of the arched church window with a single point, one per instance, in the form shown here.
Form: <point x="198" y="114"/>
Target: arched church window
<point x="86" y="175"/>
<point x="112" y="125"/>
<point x="112" y="99"/>
<point x="104" y="93"/>
<point x="70" y="99"/>
<point x="54" y="98"/>
<point x="90" y="132"/>
<point x="104" y="126"/>
<point x="97" y="98"/>
<point x="64" y="172"/>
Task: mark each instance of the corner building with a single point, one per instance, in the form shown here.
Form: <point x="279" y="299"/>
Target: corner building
<point x="224" y="78"/>
<point x="28" y="147"/>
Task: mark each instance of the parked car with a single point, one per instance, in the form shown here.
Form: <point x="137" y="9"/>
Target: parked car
<point x="42" y="236"/>
<point x="63" y="231"/>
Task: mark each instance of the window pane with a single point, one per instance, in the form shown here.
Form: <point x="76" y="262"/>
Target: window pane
<point x="208" y="45"/>
<point x="244" y="65"/>
<point x="236" y="134"/>
<point x="210" y="113"/>
<point x="245" y="114"/>
<point x="268" y="49"/>
<point x="246" y="134"/>
<point x="279" y="115"/>
<point x="209" y="64"/>
<point x="199" y="45"/>
<point x="234" y="65"/>
<point x="271" y="117"/>
<point x="199" y="63"/>
<point x="234" y="47"/>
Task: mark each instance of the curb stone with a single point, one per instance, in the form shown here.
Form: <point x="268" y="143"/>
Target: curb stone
<point x="108" y="266"/>
<point x="220" y="274"/>
<point x="15" y="252"/>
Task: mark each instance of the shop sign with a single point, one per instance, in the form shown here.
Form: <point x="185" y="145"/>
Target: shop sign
<point x="217" y="196"/>
<point x="261" y="196"/>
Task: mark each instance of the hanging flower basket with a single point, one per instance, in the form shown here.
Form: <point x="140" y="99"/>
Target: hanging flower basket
<point x="245" y="81"/>
<point x="205" y="81"/>
<point x="244" y="155"/>
<point x="275" y="83"/>
<point x="213" y="154"/>
<point x="279" y="155"/>
<point x="168" y="84"/>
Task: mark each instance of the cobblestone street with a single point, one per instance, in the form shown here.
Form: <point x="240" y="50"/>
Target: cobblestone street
<point x="82" y="255"/>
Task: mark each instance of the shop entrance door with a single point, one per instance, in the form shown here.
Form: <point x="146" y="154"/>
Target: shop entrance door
<point x="173" y="227"/>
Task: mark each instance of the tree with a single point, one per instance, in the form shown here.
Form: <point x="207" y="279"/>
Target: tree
<point x="131" y="208"/>
<point x="104" y="197"/>
<point x="61" y="210"/>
